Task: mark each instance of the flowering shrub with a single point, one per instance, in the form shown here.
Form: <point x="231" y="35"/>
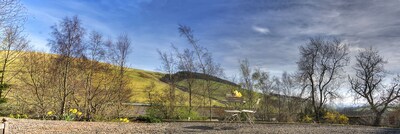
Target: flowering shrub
<point x="330" y="117"/>
<point x="237" y="94"/>
<point x="307" y="119"/>
<point x="335" y="117"/>
<point x="343" y="119"/>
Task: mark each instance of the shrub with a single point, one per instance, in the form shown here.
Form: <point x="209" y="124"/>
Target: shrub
<point x="330" y="117"/>
<point x="148" y="119"/>
<point x="183" y="114"/>
<point x="343" y="119"/>
<point x="335" y="117"/>
<point x="18" y="116"/>
<point x="307" y="119"/>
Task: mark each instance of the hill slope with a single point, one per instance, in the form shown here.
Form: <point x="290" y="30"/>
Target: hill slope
<point x="139" y="80"/>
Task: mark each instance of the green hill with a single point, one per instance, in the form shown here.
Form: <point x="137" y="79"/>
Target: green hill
<point x="139" y="80"/>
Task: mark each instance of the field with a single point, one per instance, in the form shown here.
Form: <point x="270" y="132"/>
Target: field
<point x="41" y="126"/>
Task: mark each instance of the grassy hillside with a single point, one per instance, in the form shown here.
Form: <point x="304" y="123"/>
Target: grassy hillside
<point x="140" y="79"/>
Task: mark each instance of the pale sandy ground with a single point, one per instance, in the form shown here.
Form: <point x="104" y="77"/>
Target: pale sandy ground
<point x="28" y="126"/>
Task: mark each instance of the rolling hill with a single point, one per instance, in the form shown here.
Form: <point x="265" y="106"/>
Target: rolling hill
<point x="139" y="80"/>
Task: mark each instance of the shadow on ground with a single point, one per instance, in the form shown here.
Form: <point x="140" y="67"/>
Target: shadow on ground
<point x="209" y="128"/>
<point x="200" y="127"/>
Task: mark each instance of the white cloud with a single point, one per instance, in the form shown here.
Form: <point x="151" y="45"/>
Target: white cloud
<point x="261" y="29"/>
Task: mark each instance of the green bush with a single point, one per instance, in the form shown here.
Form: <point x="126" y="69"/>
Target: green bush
<point x="183" y="113"/>
<point x="155" y="111"/>
<point x="18" y="116"/>
<point x="148" y="119"/>
<point x="153" y="115"/>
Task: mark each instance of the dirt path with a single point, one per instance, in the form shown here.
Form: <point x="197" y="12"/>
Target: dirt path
<point x="29" y="126"/>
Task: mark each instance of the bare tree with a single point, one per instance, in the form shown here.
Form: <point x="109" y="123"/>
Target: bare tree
<point x="187" y="64"/>
<point x="321" y="64"/>
<point x="12" y="46"/>
<point x="368" y="83"/>
<point x="36" y="81"/>
<point x="290" y="86"/>
<point x="67" y="42"/>
<point x="150" y="92"/>
<point x="94" y="72"/>
<point x="169" y="66"/>
<point x="12" y="41"/>
<point x="11" y="13"/>
<point x="206" y="64"/>
<point x="264" y="84"/>
<point x="247" y="80"/>
<point x="119" y="52"/>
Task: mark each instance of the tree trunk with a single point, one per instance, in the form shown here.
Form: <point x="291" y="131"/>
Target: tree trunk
<point x="378" y="118"/>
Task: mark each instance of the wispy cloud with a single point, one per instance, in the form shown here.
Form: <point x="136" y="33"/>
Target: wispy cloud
<point x="260" y="29"/>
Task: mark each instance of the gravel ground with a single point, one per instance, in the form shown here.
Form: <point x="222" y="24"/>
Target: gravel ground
<point x="29" y="126"/>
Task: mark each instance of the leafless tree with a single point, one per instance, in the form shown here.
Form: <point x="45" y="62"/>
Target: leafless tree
<point x="368" y="83"/>
<point x="150" y="92"/>
<point x="12" y="46"/>
<point x="11" y="13"/>
<point x="291" y="89"/>
<point x="120" y="51"/>
<point x="264" y="83"/>
<point x="206" y="64"/>
<point x="247" y="80"/>
<point x="67" y="41"/>
<point x="169" y="66"/>
<point x="321" y="64"/>
<point x="36" y="85"/>
<point x="12" y="41"/>
<point x="94" y="72"/>
<point x="187" y="64"/>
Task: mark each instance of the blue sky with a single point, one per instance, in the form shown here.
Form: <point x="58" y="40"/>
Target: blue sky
<point x="268" y="33"/>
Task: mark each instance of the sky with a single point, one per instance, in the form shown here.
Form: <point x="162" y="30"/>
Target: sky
<point x="268" y="33"/>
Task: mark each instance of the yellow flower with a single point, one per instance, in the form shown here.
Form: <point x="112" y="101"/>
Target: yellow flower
<point x="79" y="113"/>
<point x="74" y="110"/>
<point x="123" y="120"/>
<point x="50" y="113"/>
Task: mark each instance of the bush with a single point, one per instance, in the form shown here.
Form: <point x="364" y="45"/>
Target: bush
<point x="343" y="119"/>
<point x="182" y="113"/>
<point x="153" y="115"/>
<point x="148" y="119"/>
<point x="330" y="117"/>
<point x="19" y="116"/>
<point x="335" y="117"/>
<point x="307" y="119"/>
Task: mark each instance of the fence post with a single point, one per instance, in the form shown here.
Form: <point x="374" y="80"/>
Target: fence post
<point x="4" y="125"/>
